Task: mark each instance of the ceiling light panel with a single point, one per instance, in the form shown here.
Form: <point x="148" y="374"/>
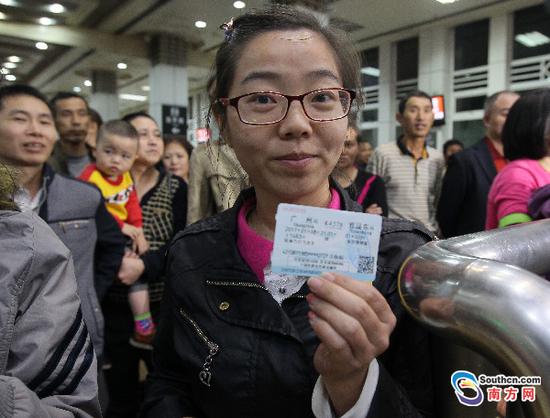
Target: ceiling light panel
<point x="46" y="21"/>
<point x="532" y="39"/>
<point x="133" y="97"/>
<point x="56" y="8"/>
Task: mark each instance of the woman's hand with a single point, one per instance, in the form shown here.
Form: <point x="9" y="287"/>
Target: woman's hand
<point x="354" y="322"/>
<point x="374" y="209"/>
<point x="140" y="244"/>
<point x="131" y="269"/>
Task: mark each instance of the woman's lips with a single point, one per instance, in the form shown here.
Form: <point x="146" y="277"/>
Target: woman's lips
<point x="296" y="160"/>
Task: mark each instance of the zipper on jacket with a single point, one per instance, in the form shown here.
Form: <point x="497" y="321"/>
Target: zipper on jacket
<point x="236" y="284"/>
<point x="205" y="375"/>
<point x="249" y="284"/>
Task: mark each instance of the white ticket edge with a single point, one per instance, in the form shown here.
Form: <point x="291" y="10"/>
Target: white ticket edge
<point x="323" y="214"/>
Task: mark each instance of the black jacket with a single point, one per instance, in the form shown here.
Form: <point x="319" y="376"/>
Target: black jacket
<point x="463" y="203"/>
<point x="221" y="326"/>
<point x="376" y="192"/>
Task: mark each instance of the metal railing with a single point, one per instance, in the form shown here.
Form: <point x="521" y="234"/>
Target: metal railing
<point x="482" y="290"/>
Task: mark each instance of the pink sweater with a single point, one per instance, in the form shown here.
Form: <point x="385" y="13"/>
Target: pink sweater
<point x="512" y="188"/>
<point x="255" y="249"/>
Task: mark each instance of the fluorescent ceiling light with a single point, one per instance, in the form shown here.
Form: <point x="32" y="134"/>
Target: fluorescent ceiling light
<point x="87" y="83"/>
<point x="41" y="45"/>
<point x="532" y="39"/>
<point x="201" y="24"/>
<point x="375" y="72"/>
<point x="239" y="5"/>
<point x="56" y="8"/>
<point x="145" y="88"/>
<point x="10" y="65"/>
<point x="133" y="97"/>
<point x="14" y="58"/>
<point x="46" y="21"/>
<point x="122" y="66"/>
<point x="77" y="89"/>
<point x="11" y="3"/>
<point x="446" y="1"/>
<point x="11" y="77"/>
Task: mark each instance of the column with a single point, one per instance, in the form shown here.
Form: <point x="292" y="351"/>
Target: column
<point x="500" y="44"/>
<point x="386" y="94"/>
<point x="104" y="94"/>
<point x="168" y="97"/>
<point x="435" y="72"/>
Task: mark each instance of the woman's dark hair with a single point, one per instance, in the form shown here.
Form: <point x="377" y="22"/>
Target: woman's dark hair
<point x="525" y="133"/>
<point x="131" y="116"/>
<point x="95" y="117"/>
<point x="178" y="139"/>
<point x="450" y="143"/>
<point x="248" y="26"/>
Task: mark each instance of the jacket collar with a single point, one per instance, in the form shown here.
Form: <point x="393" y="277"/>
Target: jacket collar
<point x="346" y="201"/>
<point x="405" y="151"/>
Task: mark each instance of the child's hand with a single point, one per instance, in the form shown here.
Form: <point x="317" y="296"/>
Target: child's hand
<point x="131" y="231"/>
<point x="140" y="244"/>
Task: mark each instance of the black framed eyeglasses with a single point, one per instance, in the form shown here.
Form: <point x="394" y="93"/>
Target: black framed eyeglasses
<point x="269" y="107"/>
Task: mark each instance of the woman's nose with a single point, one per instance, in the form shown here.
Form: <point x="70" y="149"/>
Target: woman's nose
<point x="296" y="124"/>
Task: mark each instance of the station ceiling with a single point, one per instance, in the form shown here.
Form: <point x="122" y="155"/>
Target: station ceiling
<point x="86" y="35"/>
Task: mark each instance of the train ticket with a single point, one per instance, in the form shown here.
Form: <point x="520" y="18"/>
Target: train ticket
<point x="310" y="241"/>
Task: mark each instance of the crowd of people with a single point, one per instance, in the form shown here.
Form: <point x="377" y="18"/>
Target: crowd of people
<point x="171" y="245"/>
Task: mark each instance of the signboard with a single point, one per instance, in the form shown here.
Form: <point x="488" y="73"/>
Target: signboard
<point x="174" y="120"/>
<point x="438" y="103"/>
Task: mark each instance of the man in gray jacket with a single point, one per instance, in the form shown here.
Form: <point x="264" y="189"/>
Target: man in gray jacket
<point x="73" y="209"/>
<point x="47" y="362"/>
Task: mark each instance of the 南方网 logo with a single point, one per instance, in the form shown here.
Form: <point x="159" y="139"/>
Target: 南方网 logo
<point x="467" y="388"/>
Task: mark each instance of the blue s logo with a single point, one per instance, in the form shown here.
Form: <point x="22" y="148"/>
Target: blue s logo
<point x="461" y="379"/>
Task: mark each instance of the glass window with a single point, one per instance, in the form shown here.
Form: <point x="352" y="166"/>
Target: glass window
<point x="468" y="131"/>
<point x="370" y="68"/>
<point x="369" y="115"/>
<point x="472" y="44"/>
<point x="191" y="110"/>
<point x="398" y="131"/>
<point x="470" y="103"/>
<point x="370" y="135"/>
<point x="407" y="59"/>
<point x="531" y="32"/>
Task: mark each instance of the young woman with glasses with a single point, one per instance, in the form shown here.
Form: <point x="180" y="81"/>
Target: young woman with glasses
<point x="283" y="86"/>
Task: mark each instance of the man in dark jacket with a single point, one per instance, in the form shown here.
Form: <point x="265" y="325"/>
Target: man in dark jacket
<point x="73" y="209"/>
<point x="72" y="117"/>
<point x="470" y="173"/>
